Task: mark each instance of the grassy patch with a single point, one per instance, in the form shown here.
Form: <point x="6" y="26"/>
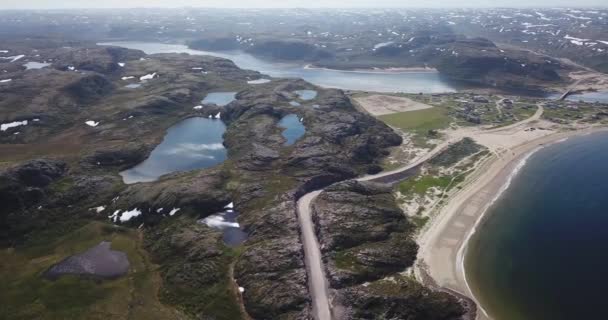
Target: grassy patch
<point x="420" y="121"/>
<point x="419" y="221"/>
<point x="24" y="294"/>
<point x="423" y="183"/>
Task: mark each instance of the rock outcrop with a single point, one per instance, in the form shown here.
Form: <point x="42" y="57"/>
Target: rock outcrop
<point x="367" y="243"/>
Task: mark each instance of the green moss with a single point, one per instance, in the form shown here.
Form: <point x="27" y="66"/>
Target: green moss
<point x="25" y="294"/>
<point x="421" y="184"/>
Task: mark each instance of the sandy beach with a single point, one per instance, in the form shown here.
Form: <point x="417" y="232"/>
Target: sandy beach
<point x="443" y="243"/>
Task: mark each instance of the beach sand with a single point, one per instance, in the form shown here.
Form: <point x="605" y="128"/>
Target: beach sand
<point x="381" y="104"/>
<point x="443" y="243"/>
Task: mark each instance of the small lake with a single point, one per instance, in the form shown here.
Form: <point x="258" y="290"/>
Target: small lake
<point x="219" y="98"/>
<point x="599" y="96"/>
<point x="410" y="82"/>
<point x="293" y="128"/>
<point x="227" y="223"/>
<point x="194" y="143"/>
<point x="306" y="94"/>
<point x="133" y="86"/>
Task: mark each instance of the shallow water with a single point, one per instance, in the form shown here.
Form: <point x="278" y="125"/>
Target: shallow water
<point x="219" y="98"/>
<point x="293" y="128"/>
<point x="194" y="143"/>
<point x="542" y="251"/>
<point x="306" y="94"/>
<point x="98" y="261"/>
<point x="412" y="82"/>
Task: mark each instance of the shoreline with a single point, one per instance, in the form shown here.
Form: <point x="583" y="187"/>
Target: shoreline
<point x="444" y="243"/>
<point x="398" y="70"/>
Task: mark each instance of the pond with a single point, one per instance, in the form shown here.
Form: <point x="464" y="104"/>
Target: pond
<point x="219" y="98"/>
<point x="293" y="128"/>
<point x="306" y="94"/>
<point x="226" y="221"/>
<point x="194" y="143"/>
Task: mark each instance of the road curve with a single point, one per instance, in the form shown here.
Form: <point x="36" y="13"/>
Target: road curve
<point x="317" y="281"/>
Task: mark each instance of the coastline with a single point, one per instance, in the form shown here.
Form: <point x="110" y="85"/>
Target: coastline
<point x="376" y="70"/>
<point x="444" y="242"/>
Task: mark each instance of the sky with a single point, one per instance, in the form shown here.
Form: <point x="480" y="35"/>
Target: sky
<point x="63" y="4"/>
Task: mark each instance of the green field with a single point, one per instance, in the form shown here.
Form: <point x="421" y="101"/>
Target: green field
<point x="419" y="121"/>
<point x="25" y="294"/>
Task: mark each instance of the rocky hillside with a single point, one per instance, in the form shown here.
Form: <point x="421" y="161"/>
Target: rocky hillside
<point x="60" y="170"/>
<point x="367" y="243"/>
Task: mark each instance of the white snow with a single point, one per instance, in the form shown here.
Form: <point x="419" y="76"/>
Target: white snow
<point x="229" y="206"/>
<point x="174" y="211"/>
<point x="218" y="221"/>
<point x="99" y="209"/>
<point x="72" y="68"/>
<point x="382" y="44"/>
<point x="127" y="78"/>
<point x="91" y="123"/>
<point x="13" y="58"/>
<point x="6" y="80"/>
<point x="6" y="126"/>
<point x="577" y="39"/>
<point x="198" y="107"/>
<point x="217" y="116"/>
<point x="148" y="77"/>
<point x="114" y="216"/>
<point x="121" y="64"/>
<point x="160" y="210"/>
<point x="128" y="215"/>
<point x="241" y="289"/>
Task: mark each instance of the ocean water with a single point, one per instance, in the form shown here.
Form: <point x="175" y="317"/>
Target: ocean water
<point x="194" y="143"/>
<point x="542" y="251"/>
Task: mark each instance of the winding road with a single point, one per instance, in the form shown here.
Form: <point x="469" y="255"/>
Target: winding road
<point x="323" y="308"/>
<point x="322" y="301"/>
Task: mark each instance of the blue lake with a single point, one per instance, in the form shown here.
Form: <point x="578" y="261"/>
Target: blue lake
<point x="194" y="143"/>
<point x="412" y="82"/>
<point x="293" y="128"/>
<point x="306" y="94"/>
<point x="219" y="98"/>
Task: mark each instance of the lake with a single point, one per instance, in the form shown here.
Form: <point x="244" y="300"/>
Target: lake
<point x="293" y="129"/>
<point x="542" y="251"/>
<point x="219" y="98"/>
<point x="410" y="82"/>
<point x="194" y="143"/>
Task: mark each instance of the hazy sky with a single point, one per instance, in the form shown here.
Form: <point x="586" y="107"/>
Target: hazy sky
<point x="54" y="4"/>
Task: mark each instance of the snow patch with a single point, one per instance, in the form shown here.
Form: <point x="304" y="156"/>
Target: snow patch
<point x="6" y="126"/>
<point x="91" y="123"/>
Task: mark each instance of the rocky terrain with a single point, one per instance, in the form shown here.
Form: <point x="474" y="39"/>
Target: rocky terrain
<point x="505" y="48"/>
<point x="367" y="245"/>
<point x="59" y="172"/>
